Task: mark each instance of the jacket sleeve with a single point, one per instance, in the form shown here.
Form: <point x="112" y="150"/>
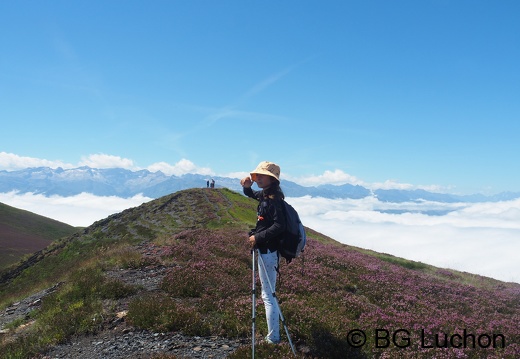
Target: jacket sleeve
<point x="277" y="227"/>
<point x="248" y="191"/>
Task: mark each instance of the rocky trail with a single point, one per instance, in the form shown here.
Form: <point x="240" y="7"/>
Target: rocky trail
<point x="118" y="339"/>
<point x="124" y="342"/>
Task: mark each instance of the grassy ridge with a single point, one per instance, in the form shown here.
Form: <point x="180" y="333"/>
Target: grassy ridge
<point x="166" y="216"/>
<point x="405" y="309"/>
<point x="23" y="232"/>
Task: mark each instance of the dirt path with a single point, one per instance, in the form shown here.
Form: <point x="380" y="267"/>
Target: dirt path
<point x="118" y="339"/>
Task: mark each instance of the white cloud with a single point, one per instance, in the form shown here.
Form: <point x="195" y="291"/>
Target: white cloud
<point x="481" y="238"/>
<point x="102" y="160"/>
<point x="182" y="167"/>
<point x="237" y="174"/>
<point x="12" y="162"/>
<point x="79" y="210"/>
<point x="339" y="177"/>
<point x="336" y="177"/>
<point x="392" y="184"/>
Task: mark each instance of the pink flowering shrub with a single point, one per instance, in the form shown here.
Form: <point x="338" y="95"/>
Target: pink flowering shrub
<point x="403" y="312"/>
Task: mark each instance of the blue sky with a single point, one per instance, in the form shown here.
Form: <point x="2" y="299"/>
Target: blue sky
<point x="418" y="93"/>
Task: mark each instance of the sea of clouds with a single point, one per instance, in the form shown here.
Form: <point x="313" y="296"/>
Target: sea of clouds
<point x="480" y="238"/>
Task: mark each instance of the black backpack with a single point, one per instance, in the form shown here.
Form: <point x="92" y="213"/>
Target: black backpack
<point x="294" y="238"/>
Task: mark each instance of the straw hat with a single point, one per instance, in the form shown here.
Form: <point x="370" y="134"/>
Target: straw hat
<point x="266" y="168"/>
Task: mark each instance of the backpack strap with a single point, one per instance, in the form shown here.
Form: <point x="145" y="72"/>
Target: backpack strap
<point x="278" y="270"/>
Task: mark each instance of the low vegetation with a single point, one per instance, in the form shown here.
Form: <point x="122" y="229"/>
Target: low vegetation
<point x="339" y="302"/>
<point x="23" y="232"/>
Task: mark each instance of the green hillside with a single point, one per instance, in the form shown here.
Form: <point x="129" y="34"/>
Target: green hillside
<point x="191" y="248"/>
<point x="23" y="232"/>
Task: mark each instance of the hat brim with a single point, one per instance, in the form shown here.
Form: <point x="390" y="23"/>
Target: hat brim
<point x="262" y="172"/>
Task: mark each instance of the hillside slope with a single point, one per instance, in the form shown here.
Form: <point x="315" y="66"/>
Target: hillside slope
<point x="23" y="232"/>
<point x="179" y="267"/>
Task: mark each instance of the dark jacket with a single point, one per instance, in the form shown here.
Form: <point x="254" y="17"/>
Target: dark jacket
<point x="270" y="222"/>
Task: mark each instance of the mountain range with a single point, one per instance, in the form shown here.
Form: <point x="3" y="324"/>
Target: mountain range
<point x="126" y="183"/>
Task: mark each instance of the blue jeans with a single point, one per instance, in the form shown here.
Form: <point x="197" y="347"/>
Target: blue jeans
<point x="272" y="313"/>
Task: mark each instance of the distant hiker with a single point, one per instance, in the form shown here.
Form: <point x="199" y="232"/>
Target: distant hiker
<point x="266" y="235"/>
<point x="207" y="184"/>
<point x="212" y="183"/>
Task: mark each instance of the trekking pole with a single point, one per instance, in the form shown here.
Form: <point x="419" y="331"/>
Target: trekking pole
<point x="262" y="265"/>
<point x="253" y="293"/>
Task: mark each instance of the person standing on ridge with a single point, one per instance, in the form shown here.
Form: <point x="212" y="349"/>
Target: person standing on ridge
<point x="265" y="237"/>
